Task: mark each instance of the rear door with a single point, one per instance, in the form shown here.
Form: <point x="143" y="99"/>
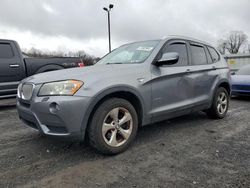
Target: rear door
<point x="171" y="88"/>
<point x="203" y="73"/>
<point x="11" y="69"/>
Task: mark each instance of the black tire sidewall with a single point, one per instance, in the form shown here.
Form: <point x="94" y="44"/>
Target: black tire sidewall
<point x="97" y="123"/>
<point x="220" y="90"/>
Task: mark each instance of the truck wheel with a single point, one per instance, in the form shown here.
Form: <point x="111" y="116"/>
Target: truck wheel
<point x="113" y="126"/>
<point x="220" y="104"/>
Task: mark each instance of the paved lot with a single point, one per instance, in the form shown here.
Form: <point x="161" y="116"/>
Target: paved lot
<point x="191" y="151"/>
<point x="7" y="102"/>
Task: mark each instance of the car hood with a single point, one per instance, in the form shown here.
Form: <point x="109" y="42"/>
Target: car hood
<point x="241" y="79"/>
<point x="90" y="72"/>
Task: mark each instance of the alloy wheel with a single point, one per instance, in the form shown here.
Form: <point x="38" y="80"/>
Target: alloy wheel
<point x="117" y="127"/>
<point x="222" y="102"/>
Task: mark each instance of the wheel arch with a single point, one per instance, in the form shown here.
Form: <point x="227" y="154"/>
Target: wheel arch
<point x="222" y="83"/>
<point x="124" y="92"/>
<point x="47" y="68"/>
<point x="226" y="85"/>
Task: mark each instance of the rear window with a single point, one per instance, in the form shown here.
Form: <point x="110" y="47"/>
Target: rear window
<point x="209" y="57"/>
<point x="198" y="55"/>
<point x="6" y="51"/>
<point x="215" y="56"/>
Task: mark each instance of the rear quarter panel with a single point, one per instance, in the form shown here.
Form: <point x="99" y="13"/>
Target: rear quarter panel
<point x="224" y="76"/>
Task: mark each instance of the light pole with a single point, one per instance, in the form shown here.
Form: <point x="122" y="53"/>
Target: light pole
<point x="108" y="11"/>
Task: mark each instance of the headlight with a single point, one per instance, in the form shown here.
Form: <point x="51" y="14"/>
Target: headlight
<point x="19" y="90"/>
<point x="67" y="87"/>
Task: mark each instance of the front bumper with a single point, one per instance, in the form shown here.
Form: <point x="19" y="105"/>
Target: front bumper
<point x="56" y="115"/>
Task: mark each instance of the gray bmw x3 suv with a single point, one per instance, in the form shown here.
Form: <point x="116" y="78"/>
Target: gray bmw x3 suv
<point x="136" y="84"/>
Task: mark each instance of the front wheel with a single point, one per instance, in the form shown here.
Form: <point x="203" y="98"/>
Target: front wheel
<point x="113" y="126"/>
<point x="220" y="104"/>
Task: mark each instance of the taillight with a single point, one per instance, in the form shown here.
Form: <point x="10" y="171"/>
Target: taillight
<point x="80" y="64"/>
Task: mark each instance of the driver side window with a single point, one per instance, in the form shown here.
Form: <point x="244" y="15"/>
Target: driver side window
<point x="181" y="49"/>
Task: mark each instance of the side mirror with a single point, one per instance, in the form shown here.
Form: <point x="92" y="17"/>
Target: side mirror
<point x="233" y="73"/>
<point x="169" y="58"/>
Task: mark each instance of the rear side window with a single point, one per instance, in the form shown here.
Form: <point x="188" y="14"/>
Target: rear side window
<point x="209" y="57"/>
<point x="198" y="55"/>
<point x="6" y="51"/>
<point x="215" y="56"/>
<point x="181" y="49"/>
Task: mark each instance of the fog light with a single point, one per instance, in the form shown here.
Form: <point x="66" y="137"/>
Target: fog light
<point x="54" y="107"/>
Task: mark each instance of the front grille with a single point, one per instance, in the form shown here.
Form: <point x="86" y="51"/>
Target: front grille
<point x="241" y="87"/>
<point x="26" y="91"/>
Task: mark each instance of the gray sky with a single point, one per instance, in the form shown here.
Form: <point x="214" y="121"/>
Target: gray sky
<point x="82" y="24"/>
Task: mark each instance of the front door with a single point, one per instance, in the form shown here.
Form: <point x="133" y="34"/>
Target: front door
<point x="171" y="87"/>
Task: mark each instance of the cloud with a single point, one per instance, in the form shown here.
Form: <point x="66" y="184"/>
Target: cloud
<point x="48" y="8"/>
<point x="83" y="23"/>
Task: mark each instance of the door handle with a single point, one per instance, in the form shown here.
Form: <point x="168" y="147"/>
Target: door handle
<point x="213" y="67"/>
<point x="188" y="70"/>
<point x="14" y="65"/>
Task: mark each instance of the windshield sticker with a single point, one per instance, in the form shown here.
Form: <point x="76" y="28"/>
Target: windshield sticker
<point x="148" y="49"/>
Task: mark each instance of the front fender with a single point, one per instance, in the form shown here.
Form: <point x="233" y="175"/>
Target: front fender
<point x="102" y="94"/>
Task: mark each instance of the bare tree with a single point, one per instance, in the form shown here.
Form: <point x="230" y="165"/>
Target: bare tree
<point x="233" y="42"/>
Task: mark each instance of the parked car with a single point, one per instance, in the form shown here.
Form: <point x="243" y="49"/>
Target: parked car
<point x="14" y="66"/>
<point x="135" y="85"/>
<point x="241" y="82"/>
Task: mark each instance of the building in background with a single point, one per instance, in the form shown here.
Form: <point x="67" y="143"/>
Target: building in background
<point x="236" y="61"/>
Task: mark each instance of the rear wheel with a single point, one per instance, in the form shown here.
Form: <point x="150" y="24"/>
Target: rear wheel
<point x="113" y="126"/>
<point x="220" y="104"/>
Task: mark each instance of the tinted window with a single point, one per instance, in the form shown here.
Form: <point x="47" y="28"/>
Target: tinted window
<point x="181" y="49"/>
<point x="209" y="58"/>
<point x="214" y="54"/>
<point x="5" y="51"/>
<point x="198" y="55"/>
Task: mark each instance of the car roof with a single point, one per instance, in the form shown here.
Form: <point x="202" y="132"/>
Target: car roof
<point x="178" y="37"/>
<point x="169" y="37"/>
<point x="186" y="38"/>
<point x="6" y="40"/>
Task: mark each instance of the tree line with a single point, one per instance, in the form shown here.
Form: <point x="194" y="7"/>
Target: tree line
<point x="86" y="58"/>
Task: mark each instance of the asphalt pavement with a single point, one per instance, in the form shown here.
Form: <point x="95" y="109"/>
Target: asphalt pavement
<point x="189" y="151"/>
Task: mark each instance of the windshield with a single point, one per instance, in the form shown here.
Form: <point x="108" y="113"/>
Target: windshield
<point x="130" y="53"/>
<point x="244" y="71"/>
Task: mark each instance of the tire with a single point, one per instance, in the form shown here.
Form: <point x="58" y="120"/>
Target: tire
<point x="220" y="104"/>
<point x="119" y="130"/>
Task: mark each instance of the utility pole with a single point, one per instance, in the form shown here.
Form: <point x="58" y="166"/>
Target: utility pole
<point x="109" y="33"/>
